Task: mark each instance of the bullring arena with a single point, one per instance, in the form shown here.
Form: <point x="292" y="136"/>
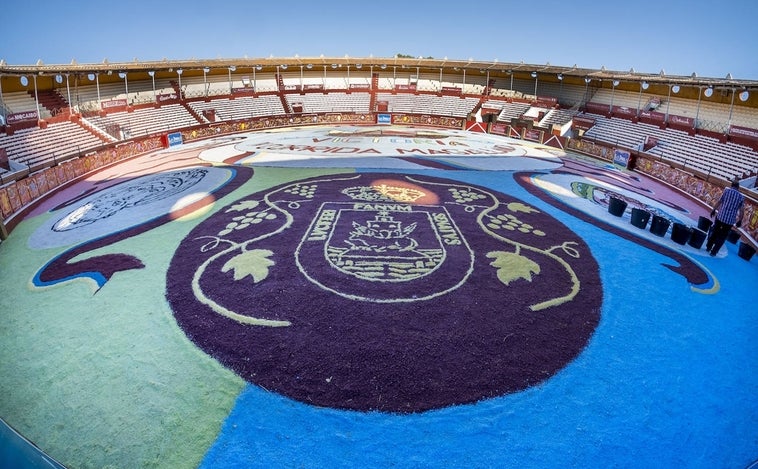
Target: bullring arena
<point x="374" y="262"/>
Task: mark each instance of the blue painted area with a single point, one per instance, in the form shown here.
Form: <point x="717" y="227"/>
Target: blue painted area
<point x="17" y="452"/>
<point x="174" y="139"/>
<point x="96" y="277"/>
<point x="668" y="380"/>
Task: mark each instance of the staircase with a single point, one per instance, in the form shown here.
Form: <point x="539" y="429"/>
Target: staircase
<point x="95" y="130"/>
<point x="200" y="119"/>
<point x="285" y="104"/>
<point x="51" y="100"/>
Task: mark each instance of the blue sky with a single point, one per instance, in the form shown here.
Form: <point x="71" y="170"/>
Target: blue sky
<point x="680" y="37"/>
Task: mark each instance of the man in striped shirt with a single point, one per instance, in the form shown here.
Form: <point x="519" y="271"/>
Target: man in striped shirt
<point x="728" y="211"/>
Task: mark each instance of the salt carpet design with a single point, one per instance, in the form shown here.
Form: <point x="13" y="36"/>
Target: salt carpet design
<point x="372" y="297"/>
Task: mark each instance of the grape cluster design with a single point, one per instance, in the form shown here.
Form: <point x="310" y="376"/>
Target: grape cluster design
<point x="463" y="196"/>
<point x="306" y="191"/>
<point x="512" y="223"/>
<point x="241" y="222"/>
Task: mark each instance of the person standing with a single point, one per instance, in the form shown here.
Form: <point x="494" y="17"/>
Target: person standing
<point x="728" y="212"/>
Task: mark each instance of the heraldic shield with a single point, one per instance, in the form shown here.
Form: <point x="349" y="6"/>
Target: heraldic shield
<point x="351" y="243"/>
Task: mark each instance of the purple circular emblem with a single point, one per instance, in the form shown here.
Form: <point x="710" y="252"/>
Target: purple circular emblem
<point x="398" y="293"/>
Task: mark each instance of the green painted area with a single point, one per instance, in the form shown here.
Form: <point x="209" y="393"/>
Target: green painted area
<point x="107" y="378"/>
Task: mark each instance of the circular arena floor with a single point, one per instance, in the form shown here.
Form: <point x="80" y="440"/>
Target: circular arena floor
<point x="374" y="297"/>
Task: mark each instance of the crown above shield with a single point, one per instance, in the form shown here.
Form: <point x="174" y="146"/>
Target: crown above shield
<point x="384" y="193"/>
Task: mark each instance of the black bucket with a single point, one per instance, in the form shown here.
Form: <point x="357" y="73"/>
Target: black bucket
<point x="616" y="206"/>
<point x="697" y="238"/>
<point x="680" y="233"/>
<point x="659" y="225"/>
<point x="704" y="223"/>
<point x="640" y="217"/>
<point x="745" y="251"/>
<point x="733" y="236"/>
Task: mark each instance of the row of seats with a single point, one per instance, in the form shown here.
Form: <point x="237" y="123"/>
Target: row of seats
<point x="429" y="104"/>
<point x="145" y="121"/>
<point x="242" y="107"/>
<point x="702" y="110"/>
<point x="512" y="111"/>
<point x="325" y="82"/>
<point x="20" y="102"/>
<point x="39" y="146"/>
<point x="358" y="102"/>
<point x="85" y="94"/>
<point x="703" y="153"/>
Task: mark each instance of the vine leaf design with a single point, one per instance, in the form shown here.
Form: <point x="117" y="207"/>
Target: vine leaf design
<point x="242" y="206"/>
<point x="520" y="207"/>
<point x="254" y="263"/>
<point x="513" y="266"/>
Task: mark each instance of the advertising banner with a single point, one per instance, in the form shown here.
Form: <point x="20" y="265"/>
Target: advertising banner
<point x="621" y="157"/>
<point x="175" y="139"/>
<point x="113" y="103"/>
<point x="163" y="97"/>
<point x="21" y="117"/>
<point x="736" y="131"/>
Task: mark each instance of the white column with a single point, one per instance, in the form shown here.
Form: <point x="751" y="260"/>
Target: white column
<point x="97" y="85"/>
<point x="231" y="69"/>
<point x="179" y="73"/>
<point x="2" y="103"/>
<point x="152" y="76"/>
<point x="68" y="93"/>
<point x="36" y="98"/>
<point x="697" y="112"/>
<point x="731" y="108"/>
